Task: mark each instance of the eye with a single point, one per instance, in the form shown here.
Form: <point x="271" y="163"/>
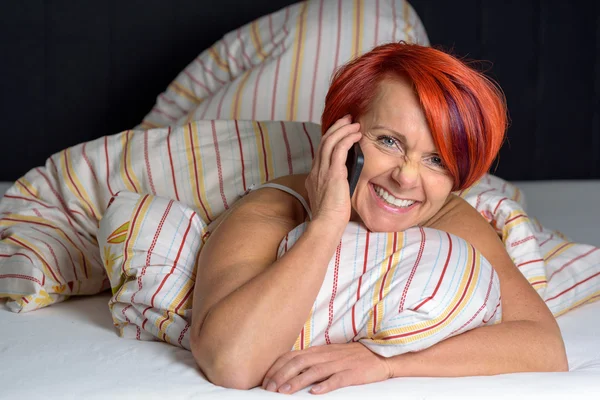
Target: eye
<point x="436" y="161"/>
<point x="388" y="141"/>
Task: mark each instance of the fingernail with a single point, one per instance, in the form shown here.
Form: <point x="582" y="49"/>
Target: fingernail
<point x="285" y="388"/>
<point x="316" y="389"/>
<point x="271" y="386"/>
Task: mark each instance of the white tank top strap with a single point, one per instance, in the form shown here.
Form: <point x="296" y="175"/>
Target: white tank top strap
<point x="287" y="190"/>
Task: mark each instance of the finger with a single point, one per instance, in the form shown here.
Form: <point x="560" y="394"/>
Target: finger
<point x="280" y="362"/>
<point x="328" y="143"/>
<point x="336" y="381"/>
<point x="345" y="120"/>
<point x="314" y="374"/>
<point x="295" y="366"/>
<point x="340" y="152"/>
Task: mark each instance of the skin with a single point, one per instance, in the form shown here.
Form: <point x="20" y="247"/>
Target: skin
<point x="249" y="306"/>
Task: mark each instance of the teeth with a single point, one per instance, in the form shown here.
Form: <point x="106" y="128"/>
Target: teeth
<point x="385" y="195"/>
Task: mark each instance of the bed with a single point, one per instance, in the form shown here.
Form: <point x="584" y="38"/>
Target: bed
<point x="71" y="349"/>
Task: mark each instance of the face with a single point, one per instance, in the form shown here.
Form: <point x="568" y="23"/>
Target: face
<point x="403" y="182"/>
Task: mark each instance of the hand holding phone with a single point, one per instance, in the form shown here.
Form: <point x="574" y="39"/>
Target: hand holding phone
<point x="354" y="165"/>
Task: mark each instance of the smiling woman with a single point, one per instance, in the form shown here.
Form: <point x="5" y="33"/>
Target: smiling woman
<point x="427" y="124"/>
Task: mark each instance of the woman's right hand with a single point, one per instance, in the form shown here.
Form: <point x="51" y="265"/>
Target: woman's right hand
<point x="327" y="182"/>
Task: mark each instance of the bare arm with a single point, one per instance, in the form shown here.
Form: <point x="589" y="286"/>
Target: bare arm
<point x="249" y="307"/>
<point x="527" y="339"/>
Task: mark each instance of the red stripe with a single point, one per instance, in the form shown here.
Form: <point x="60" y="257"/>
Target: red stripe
<point x="226" y="88"/>
<point x="237" y="132"/>
<point x="243" y="48"/>
<point x="17" y="254"/>
<point x="574" y="286"/>
<point x="148" y="169"/>
<point x="390" y="257"/>
<point x="37" y="254"/>
<point x="546" y="241"/>
<point x="485" y="321"/>
<point x="394" y="19"/>
<point x="58" y="196"/>
<point x="302" y="339"/>
<point x="529" y="262"/>
<point x="107" y="166"/>
<point x="498" y="205"/>
<point x="182" y="334"/>
<point x="478" y="202"/>
<point x="159" y="111"/>
<point x="287" y="148"/>
<point x="171" y="162"/>
<point x="56" y="263"/>
<point x="365" y="260"/>
<point x="66" y="250"/>
<point x="151" y="249"/>
<point x="125" y="161"/>
<point x="339" y="34"/>
<point x="514" y="218"/>
<point x="557" y="250"/>
<point x="441" y="277"/>
<point x="376" y="23"/>
<point x="182" y="302"/>
<point x="133" y="222"/>
<point x="206" y="104"/>
<point x="413" y="271"/>
<point x="487" y="296"/>
<point x="173" y="103"/>
<point x="451" y="311"/>
<point x="197" y="82"/>
<point x="262" y="141"/>
<point x="255" y="95"/>
<point x="524" y="240"/>
<point x="24" y="277"/>
<point x="316" y="68"/>
<point x="87" y="161"/>
<point x="572" y="261"/>
<point x="193" y="148"/>
<point x="219" y="166"/>
<point x="334" y="292"/>
<point x="210" y="72"/>
<point x="229" y="57"/>
<point x="183" y="243"/>
<point x="312" y="150"/>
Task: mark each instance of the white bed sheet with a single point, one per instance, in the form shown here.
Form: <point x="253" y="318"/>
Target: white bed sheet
<point x="70" y="350"/>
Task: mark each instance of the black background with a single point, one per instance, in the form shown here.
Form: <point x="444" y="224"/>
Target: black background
<point x="72" y="71"/>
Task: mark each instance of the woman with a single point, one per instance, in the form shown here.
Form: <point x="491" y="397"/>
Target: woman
<point x="428" y="125"/>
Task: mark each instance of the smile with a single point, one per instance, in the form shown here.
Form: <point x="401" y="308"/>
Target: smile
<point x="390" y="200"/>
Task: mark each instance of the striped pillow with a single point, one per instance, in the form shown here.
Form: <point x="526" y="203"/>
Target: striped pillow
<point x="279" y="66"/>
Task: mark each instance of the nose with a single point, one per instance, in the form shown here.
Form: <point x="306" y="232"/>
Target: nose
<point x="407" y="173"/>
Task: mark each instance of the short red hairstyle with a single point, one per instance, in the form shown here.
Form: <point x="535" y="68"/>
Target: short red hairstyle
<point x="465" y="110"/>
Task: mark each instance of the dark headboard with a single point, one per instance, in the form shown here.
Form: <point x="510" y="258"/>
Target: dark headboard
<point x="73" y="71"/>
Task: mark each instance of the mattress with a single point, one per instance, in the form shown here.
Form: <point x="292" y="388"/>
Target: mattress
<point x="70" y="350"/>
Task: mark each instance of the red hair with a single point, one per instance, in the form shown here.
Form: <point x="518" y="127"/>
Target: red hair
<point x="465" y="111"/>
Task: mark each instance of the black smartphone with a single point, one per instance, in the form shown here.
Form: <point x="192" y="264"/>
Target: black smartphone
<point x="354" y="164"/>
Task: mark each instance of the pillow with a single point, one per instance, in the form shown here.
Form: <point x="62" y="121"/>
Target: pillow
<point x="149" y="246"/>
<point x="394" y="292"/>
<point x="49" y="218"/>
<point x="279" y="66"/>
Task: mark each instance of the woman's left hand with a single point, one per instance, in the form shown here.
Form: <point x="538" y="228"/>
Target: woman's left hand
<point x="335" y="366"/>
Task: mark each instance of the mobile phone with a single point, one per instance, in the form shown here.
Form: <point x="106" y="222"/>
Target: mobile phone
<point x="354" y="165"/>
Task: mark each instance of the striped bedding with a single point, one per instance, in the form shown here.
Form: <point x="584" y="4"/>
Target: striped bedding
<point x="278" y="67"/>
<point x="50" y="246"/>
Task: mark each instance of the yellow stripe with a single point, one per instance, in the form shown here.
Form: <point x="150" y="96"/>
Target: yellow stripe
<point x="181" y="90"/>
<point x="130" y="151"/>
<point x="358" y="15"/>
<point x="218" y="60"/>
<point x="236" y="103"/>
<point x="148" y="125"/>
<point x="38" y="253"/>
<point x="307" y="330"/>
<point x="269" y="151"/>
<point x="421" y="325"/>
<point x="256" y="40"/>
<point x="389" y="251"/>
<point x="198" y="188"/>
<point x="76" y="184"/>
<point x="407" y="25"/>
<point x="297" y="62"/>
<point x="169" y="318"/>
<point x="28" y="185"/>
<point x="579" y="303"/>
<point x="549" y="254"/>
<point x="125" y="163"/>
